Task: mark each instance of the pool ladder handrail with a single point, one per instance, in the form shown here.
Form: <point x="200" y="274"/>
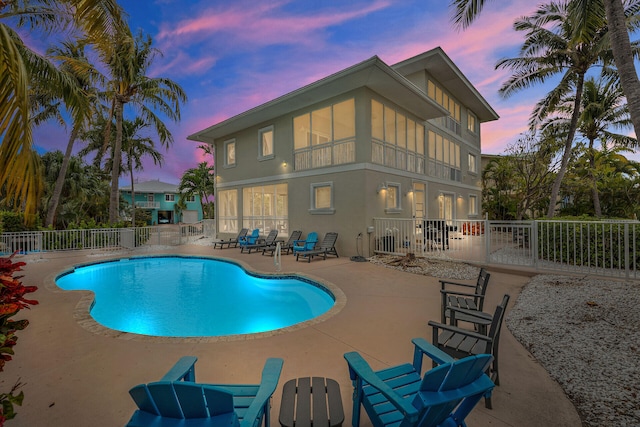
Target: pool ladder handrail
<point x="277" y="256"/>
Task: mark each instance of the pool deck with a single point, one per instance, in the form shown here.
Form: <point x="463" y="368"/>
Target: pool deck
<point x="76" y="374"/>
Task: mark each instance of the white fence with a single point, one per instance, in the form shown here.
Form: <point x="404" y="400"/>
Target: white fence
<point x="607" y="248"/>
<point x="102" y="239"/>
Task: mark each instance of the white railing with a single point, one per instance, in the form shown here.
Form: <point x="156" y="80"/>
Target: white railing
<point x="608" y="248"/>
<point x="148" y="205"/>
<point x="102" y="239"/>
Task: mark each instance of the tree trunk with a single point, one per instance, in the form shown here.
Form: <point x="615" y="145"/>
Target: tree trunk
<point x="621" y="48"/>
<point x="62" y="174"/>
<point x="568" y="147"/>
<point x="597" y="209"/>
<point x="133" y="196"/>
<point x="115" y="165"/>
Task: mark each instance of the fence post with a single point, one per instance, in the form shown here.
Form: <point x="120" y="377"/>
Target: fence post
<point x="487" y="240"/>
<point x="626" y="250"/>
<point x="534" y="244"/>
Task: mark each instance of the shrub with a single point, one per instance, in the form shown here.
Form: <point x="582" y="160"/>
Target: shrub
<point x="12" y="300"/>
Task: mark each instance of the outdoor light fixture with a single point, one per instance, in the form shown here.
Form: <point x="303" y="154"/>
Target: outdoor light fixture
<point x="382" y="186"/>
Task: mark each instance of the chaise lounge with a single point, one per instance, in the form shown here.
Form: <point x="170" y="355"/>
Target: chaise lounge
<point x="285" y="246"/>
<point x="230" y="242"/>
<point x="260" y="243"/>
<point x="327" y="247"/>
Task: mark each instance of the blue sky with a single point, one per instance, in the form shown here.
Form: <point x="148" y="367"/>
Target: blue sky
<point x="230" y="56"/>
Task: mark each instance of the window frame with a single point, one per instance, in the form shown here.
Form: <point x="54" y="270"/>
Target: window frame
<point x="473" y="128"/>
<point x="472" y="170"/>
<point x="169" y="197"/>
<point x="230" y="142"/>
<point x="261" y="132"/>
<point x="313" y="209"/>
<point x="472" y="209"/>
<point x="397" y="207"/>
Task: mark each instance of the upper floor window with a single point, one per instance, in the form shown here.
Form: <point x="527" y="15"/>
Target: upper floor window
<point x="452" y="122"/>
<point x="444" y="157"/>
<point x="265" y="143"/>
<point x="473" y="163"/>
<point x="169" y="197"/>
<point x="230" y="152"/>
<point x="325" y="136"/>
<point x="190" y="199"/>
<point x="471" y="123"/>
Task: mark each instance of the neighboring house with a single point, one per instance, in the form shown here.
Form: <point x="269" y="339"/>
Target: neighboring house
<point x="370" y="141"/>
<point x="160" y="199"/>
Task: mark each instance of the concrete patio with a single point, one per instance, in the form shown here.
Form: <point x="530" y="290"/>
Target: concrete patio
<point x="75" y="376"/>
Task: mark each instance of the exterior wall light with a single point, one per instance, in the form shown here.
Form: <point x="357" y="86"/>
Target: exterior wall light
<point x="381" y="186"/>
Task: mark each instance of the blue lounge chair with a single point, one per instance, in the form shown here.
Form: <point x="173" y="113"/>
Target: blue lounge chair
<point x="177" y="400"/>
<point x="307" y="244"/>
<point x="327" y="247"/>
<point x="400" y="396"/>
<point x="249" y="239"/>
<point x="261" y="243"/>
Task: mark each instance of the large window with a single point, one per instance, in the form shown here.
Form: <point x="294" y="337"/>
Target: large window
<point x="230" y="153"/>
<point x="265" y="143"/>
<point x="398" y="141"/>
<point x="322" y="198"/>
<point x="266" y="208"/>
<point x="227" y="211"/>
<point x="435" y="92"/>
<point x="325" y="136"/>
<point x="471" y="123"/>
<point x="444" y="157"/>
<point x="473" y="163"/>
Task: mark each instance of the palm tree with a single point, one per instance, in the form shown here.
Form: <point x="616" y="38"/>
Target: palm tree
<point x="128" y="60"/>
<point x="198" y="181"/>
<point x="137" y="146"/>
<point x="20" y="67"/>
<point x="618" y="13"/>
<point x="553" y="45"/>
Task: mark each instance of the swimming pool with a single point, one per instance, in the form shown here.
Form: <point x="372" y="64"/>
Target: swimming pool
<point x="176" y="296"/>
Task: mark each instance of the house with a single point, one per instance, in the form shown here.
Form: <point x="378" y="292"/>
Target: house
<point x="370" y="141"/>
<point x="160" y="199"/>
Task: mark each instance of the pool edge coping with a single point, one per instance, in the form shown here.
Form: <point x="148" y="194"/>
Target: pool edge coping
<point x="83" y="317"/>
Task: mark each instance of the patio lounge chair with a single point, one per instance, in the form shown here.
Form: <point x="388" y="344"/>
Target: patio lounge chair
<point x="307" y="244"/>
<point x="459" y="343"/>
<point x="327" y="247"/>
<point x="250" y="239"/>
<point x="401" y="396"/>
<point x="285" y="246"/>
<point x="177" y="400"/>
<point x="230" y="242"/>
<point x="473" y="299"/>
<point x="261" y="243"/>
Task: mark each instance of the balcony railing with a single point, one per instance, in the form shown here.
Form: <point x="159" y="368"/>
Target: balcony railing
<point x="148" y="205"/>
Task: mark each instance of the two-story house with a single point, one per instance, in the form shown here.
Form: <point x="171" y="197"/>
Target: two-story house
<point x="370" y="141"/>
<point x="160" y="199"/>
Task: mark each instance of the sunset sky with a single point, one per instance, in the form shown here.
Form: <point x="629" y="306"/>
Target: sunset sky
<point x="230" y="56"/>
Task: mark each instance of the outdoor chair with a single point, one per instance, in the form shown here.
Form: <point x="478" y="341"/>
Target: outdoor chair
<point x="327" y="247"/>
<point x="230" y="242"/>
<point x="307" y="244"/>
<point x="459" y="343"/>
<point x="452" y="295"/>
<point x="261" y="243"/>
<point x="401" y="396"/>
<point x="177" y="400"/>
<point x="249" y="239"/>
<point x="285" y="246"/>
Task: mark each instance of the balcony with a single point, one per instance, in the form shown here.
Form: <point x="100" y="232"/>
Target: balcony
<point x="148" y="205"/>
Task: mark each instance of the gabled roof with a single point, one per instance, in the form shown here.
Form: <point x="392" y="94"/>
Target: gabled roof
<point x="442" y="68"/>
<point x="155" y="186"/>
<point x="372" y="73"/>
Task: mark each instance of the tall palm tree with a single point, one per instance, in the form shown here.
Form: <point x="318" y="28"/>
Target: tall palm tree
<point x="128" y="59"/>
<point x="618" y="13"/>
<point x="553" y="45"/>
<point x="198" y="181"/>
<point x="137" y="146"/>
<point x="19" y="67"/>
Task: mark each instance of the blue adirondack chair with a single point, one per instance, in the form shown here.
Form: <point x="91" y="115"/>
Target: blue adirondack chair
<point x="307" y="244"/>
<point x="250" y="239"/>
<point x="399" y="396"/>
<point x="177" y="400"/>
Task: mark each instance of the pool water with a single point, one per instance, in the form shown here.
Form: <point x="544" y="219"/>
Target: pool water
<point x="194" y="297"/>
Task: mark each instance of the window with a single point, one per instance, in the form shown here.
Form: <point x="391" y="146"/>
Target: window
<point x="444" y="157"/>
<point x="322" y="198"/>
<point x="228" y="211"/>
<point x="452" y="122"/>
<point x="473" y="168"/>
<point x="230" y="153"/>
<point x="325" y="136"/>
<point x="471" y="122"/>
<point x="393" y="198"/>
<point x="266" y="207"/>
<point x="190" y="199"/>
<point x="473" y="205"/>
<point x="169" y="197"/>
<point x="265" y="143"/>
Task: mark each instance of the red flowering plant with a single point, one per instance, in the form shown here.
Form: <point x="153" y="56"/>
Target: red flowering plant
<point x="12" y="300"/>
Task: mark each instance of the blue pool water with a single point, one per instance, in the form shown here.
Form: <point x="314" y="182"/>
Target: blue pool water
<point x="194" y="297"/>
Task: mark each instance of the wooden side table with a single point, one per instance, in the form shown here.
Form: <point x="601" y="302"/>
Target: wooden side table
<point x="310" y="402"/>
